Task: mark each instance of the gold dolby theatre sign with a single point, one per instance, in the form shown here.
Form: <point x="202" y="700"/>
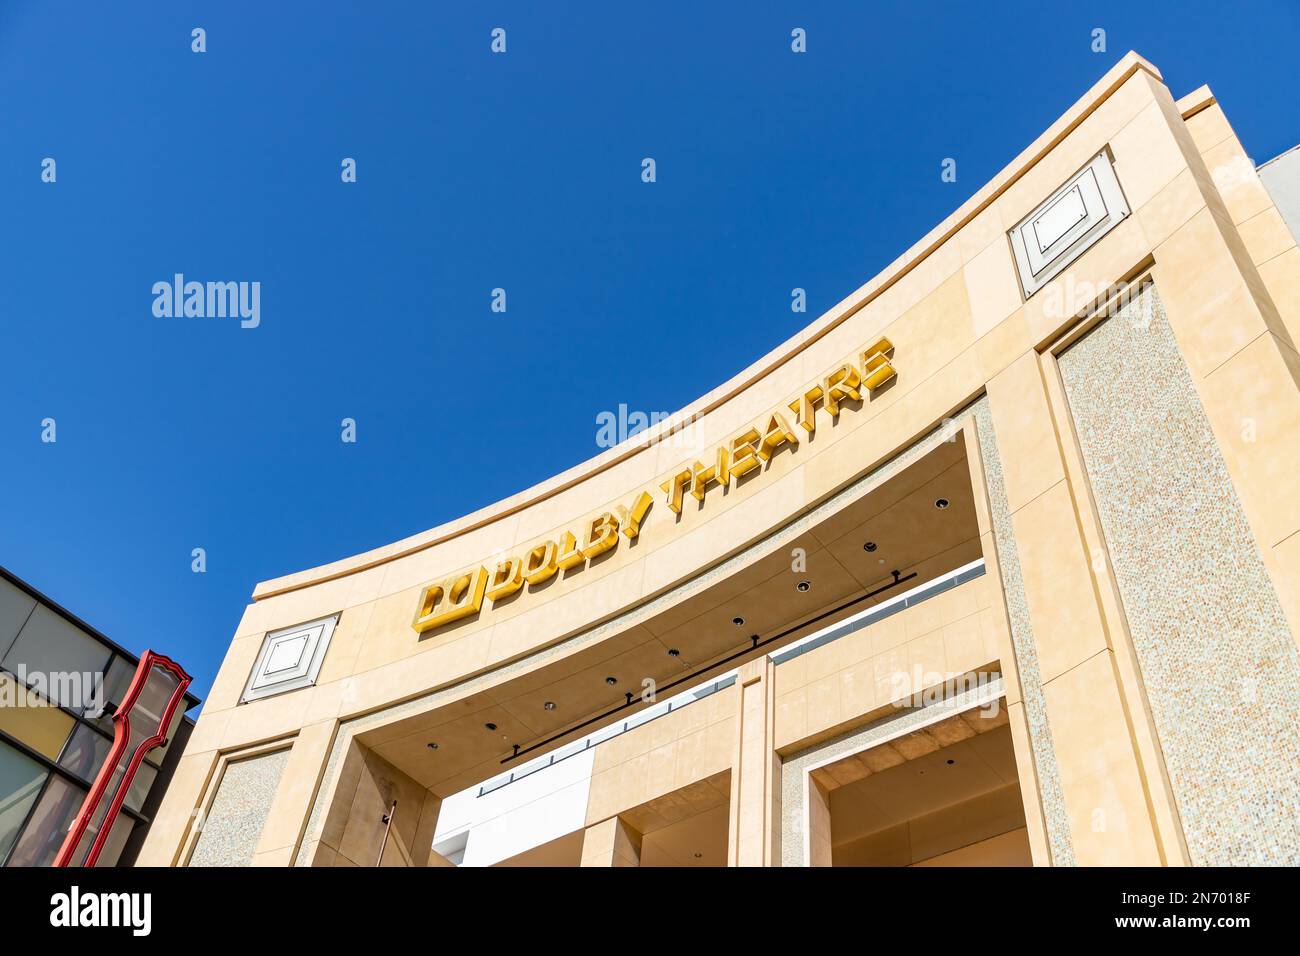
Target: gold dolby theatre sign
<point x="462" y="594"/>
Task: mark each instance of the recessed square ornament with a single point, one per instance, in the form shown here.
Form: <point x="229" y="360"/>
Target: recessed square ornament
<point x="290" y="659"/>
<point x="1067" y="223"/>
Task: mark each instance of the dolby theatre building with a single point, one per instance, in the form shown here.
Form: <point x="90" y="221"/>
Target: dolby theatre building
<point x="996" y="563"/>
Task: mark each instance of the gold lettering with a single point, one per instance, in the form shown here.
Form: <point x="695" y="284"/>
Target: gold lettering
<point x="777" y="434"/>
<point x="876" y="367"/>
<point x="674" y="485"/>
<point x="602" y="535"/>
<point x="569" y="553"/>
<point x="743" y="452"/>
<point x="716" y="474"/>
<point x="506" y="579"/>
<point x="457" y="597"/>
<point x="540" y="565"/>
<point x="841" y="385"/>
<point x="631" y="518"/>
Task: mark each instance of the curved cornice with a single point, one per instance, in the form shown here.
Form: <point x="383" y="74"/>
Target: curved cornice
<point x="1130" y="64"/>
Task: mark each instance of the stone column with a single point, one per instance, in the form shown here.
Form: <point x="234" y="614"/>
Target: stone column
<point x="611" y="842"/>
<point x="755" y="821"/>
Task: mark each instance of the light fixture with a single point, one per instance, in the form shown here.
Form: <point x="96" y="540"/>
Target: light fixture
<point x="549" y="705"/>
<point x="611" y="681"/>
<point x="699" y="856"/>
<point x="869" y="546"/>
<point x="490" y="726"/>
<point x="433" y="746"/>
<point x="737" y="621"/>
<point x="803" y="586"/>
<point x="674" y="652"/>
<point x="951" y="762"/>
<point x="941" y="503"/>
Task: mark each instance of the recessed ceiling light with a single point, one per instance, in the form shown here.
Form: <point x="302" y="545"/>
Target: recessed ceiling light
<point x="490" y="726"/>
<point x="869" y="546"/>
<point x="941" y="503"/>
<point x="433" y="746"/>
<point x="611" y="681"/>
<point x="951" y="762"/>
<point x="549" y="705"/>
<point x="803" y="586"/>
<point x="674" y="652"/>
<point x="737" y="621"/>
<point x="699" y="856"/>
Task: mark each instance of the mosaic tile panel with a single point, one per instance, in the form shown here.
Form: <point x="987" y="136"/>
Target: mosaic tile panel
<point x="239" y="810"/>
<point x="1218" y="662"/>
<point x="1056" y="818"/>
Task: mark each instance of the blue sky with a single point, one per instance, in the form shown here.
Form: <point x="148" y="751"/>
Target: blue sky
<point x="475" y="171"/>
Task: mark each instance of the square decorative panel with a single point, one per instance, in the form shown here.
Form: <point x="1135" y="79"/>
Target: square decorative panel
<point x="1087" y="207"/>
<point x="290" y="658"/>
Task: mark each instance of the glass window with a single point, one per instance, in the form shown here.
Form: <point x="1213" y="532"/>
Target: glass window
<point x="118" y="680"/>
<point x="15" y="606"/>
<point x="85" y="752"/>
<point x="145" y="775"/>
<point x="64" y="656"/>
<point x="31" y="719"/>
<point x="116" y="841"/>
<point x="159" y="753"/>
<point x="21" y="778"/>
<point x="49" y="824"/>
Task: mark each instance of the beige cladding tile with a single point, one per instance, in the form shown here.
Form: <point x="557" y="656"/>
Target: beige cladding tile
<point x="889" y="670"/>
<point x="1211" y="309"/>
<point x="727" y="530"/>
<point x="295" y="607"/>
<point x="857" y="689"/>
<point x="887" y="634"/>
<point x="1147" y="156"/>
<point x="823" y="703"/>
<point x="234" y="673"/>
<point x="209" y="732"/>
<point x="293" y="796"/>
<point x="921" y="619"/>
<point x="957" y="603"/>
<point x="792" y="716"/>
<point x="1238" y="183"/>
<point x="174" y="816"/>
<point x="345" y="643"/>
<point x="1281" y="276"/>
<point x="1087" y="280"/>
<point x="964" y="647"/>
<point x="1026" y="433"/>
<point x="266" y="719"/>
<point x="1109" y="821"/>
<point x="1266" y="236"/>
<point x="1005" y="342"/>
<point x="996" y="635"/>
<point x="976" y="236"/>
<point x="442" y="560"/>
<point x="1171" y="207"/>
<point x="1209" y="127"/>
<point x="1255" y="411"/>
<point x="992" y="287"/>
<point x="1058" y="582"/>
<point x="927" y="661"/>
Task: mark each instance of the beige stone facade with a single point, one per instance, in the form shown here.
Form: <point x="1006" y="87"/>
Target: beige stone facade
<point x="1086" y="708"/>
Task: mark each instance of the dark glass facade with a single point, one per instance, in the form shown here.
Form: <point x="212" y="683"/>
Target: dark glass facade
<point x="60" y="683"/>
